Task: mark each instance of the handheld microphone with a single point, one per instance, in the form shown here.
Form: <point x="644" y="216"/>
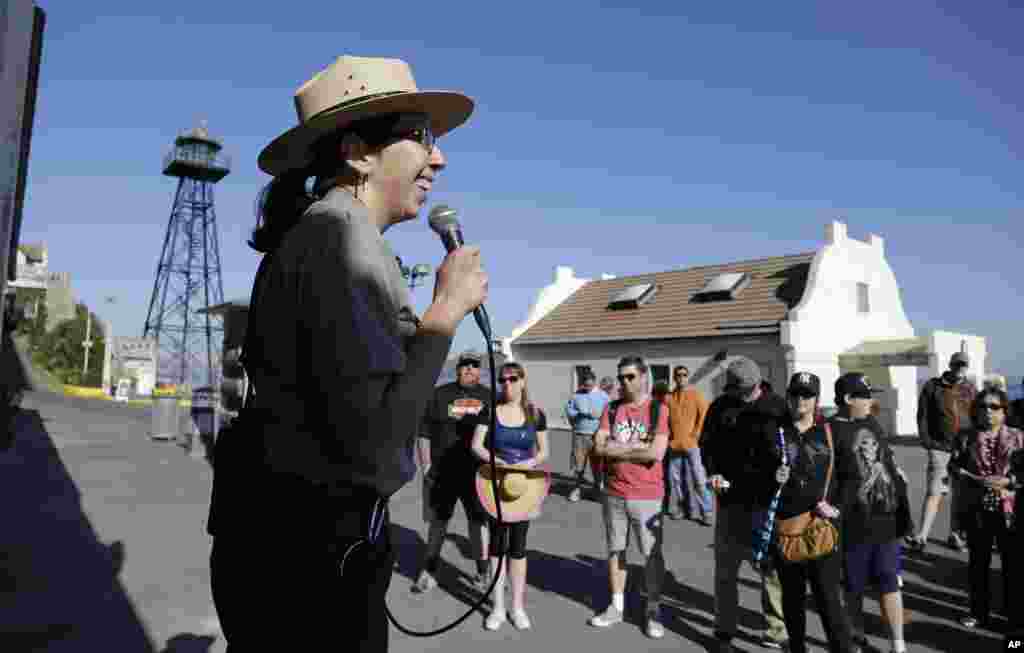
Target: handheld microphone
<point x="445" y="223"/>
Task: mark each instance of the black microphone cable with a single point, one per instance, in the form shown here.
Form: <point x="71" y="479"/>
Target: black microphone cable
<point x="485" y="329"/>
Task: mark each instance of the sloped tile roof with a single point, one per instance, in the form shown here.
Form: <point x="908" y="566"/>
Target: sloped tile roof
<point x="776" y="285"/>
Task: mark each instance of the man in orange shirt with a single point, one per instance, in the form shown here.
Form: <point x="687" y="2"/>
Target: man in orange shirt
<point x="689" y="494"/>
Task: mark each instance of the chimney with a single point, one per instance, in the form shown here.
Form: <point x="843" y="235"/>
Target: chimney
<point x="877" y="242"/>
<point x="835" y="232"/>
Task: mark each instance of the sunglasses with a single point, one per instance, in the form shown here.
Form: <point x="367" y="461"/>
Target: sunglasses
<point x="626" y="377"/>
<point x="472" y="364"/>
<point x="509" y="379"/>
<point x="994" y="406"/>
<point x="389" y="129"/>
<point x="422" y="135"/>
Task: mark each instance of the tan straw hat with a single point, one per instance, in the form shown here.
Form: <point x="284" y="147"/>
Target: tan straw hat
<point x="521" y="492"/>
<point x="353" y="88"/>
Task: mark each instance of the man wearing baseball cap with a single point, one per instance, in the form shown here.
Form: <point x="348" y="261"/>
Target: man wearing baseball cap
<point x="449" y="468"/>
<point x="943" y="409"/>
<point x="738" y="425"/>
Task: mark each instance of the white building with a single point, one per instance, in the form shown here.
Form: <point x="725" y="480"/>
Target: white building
<point x="134" y="358"/>
<point x="32" y="266"/>
<point x="831" y="311"/>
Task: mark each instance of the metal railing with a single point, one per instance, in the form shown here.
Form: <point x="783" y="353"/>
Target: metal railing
<point x="190" y="157"/>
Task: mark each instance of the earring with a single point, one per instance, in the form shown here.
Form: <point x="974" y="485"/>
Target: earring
<point x="360" y="185"/>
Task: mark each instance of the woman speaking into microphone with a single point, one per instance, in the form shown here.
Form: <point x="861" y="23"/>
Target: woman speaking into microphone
<point x="340" y="365"/>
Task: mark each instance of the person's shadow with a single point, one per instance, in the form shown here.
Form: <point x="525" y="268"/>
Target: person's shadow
<point x="59" y="589"/>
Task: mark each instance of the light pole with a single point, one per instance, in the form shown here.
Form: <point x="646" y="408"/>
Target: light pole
<point x="417" y="272"/>
<point x="87" y="343"/>
<point x="108" y="347"/>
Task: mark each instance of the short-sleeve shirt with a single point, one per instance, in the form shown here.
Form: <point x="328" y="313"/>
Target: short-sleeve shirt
<point x="630" y="480"/>
<point x="514" y="444"/>
<point x="451" y="419"/>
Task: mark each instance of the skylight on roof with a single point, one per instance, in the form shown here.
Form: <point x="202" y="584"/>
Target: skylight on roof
<point x="633" y="296"/>
<point x="723" y="287"/>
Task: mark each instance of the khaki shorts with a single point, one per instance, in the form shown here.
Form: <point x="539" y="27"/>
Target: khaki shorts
<point x="642" y="517"/>
<point x="937" y="473"/>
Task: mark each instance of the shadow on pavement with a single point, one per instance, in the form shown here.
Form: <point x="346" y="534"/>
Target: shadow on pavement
<point x="59" y="589"/>
<point x="188" y="643"/>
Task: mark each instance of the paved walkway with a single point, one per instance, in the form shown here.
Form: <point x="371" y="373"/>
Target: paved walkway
<point x="105" y="550"/>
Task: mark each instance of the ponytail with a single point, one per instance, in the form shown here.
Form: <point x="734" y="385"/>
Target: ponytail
<point x="278" y="208"/>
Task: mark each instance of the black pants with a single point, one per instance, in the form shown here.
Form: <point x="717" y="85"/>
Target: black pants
<point x="509" y="539"/>
<point x="823" y="575"/>
<point x="982" y="529"/>
<point x="306" y="579"/>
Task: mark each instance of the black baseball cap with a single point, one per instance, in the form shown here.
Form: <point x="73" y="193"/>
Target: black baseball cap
<point x="854" y="384"/>
<point x="804" y="383"/>
<point x="469" y="357"/>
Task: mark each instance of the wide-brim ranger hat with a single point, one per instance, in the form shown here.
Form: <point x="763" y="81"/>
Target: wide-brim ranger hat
<point x="352" y="89"/>
<point x="520" y="491"/>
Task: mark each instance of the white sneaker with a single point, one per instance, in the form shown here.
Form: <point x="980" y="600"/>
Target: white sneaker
<point x="654" y="629"/>
<point x="520" y="620"/>
<point x="494" y="620"/>
<point x="575" y="495"/>
<point x="609" y="617"/>
<point x="425" y="582"/>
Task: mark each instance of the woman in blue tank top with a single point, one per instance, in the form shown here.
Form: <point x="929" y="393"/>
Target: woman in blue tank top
<point x="520" y="442"/>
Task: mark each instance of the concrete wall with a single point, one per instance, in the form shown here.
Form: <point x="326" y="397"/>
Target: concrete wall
<point x="945" y="343"/>
<point x="827" y="321"/>
<point x="564" y="284"/>
<point x="551" y="368"/>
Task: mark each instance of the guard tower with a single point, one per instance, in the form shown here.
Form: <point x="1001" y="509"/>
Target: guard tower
<point x="188" y="276"/>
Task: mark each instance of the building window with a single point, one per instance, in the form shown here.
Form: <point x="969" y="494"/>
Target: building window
<point x="863" y="303"/>
<point x="659" y="373"/>
<point x="579" y="372"/>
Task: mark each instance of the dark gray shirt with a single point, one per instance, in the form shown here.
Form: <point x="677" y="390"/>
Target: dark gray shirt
<point x="341" y="374"/>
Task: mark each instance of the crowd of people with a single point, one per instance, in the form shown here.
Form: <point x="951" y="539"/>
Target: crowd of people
<point x="342" y="370"/>
<point x="807" y="501"/>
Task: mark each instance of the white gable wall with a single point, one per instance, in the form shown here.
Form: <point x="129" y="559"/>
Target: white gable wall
<point x="945" y="343"/>
<point x="827" y="321"/>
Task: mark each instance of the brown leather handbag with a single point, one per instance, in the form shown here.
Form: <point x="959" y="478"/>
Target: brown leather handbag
<point x="808" y="536"/>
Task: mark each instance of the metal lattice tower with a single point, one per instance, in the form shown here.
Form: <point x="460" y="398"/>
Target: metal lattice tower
<point x="188" y="277"/>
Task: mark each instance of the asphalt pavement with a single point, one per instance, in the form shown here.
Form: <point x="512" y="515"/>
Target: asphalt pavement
<point x="104" y="549"/>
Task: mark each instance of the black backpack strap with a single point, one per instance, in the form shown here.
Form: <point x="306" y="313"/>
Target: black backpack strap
<point x="655" y="414"/>
<point x="613" y="408"/>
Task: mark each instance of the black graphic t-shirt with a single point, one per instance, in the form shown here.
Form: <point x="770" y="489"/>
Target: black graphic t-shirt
<point x="451" y="419"/>
<point x="868" y="489"/>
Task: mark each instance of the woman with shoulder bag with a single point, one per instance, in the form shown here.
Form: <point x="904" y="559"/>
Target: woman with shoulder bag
<point x="806" y="542"/>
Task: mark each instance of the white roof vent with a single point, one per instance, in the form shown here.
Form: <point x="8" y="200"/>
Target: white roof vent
<point x="723" y="287"/>
<point x="633" y="296"/>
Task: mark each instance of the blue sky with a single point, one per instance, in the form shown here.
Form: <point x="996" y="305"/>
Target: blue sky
<point x="607" y="138"/>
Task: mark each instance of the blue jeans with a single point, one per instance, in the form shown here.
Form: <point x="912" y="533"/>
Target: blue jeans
<point x="689" y="483"/>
